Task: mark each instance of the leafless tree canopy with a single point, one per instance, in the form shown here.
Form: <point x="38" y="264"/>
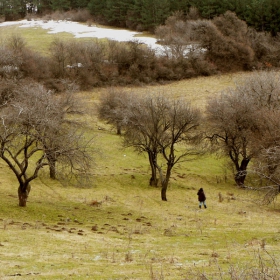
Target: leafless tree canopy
<point x="162" y="127"/>
<point x="175" y="36"/>
<point x="244" y="124"/>
<point x="34" y="133"/>
<point x="113" y="107"/>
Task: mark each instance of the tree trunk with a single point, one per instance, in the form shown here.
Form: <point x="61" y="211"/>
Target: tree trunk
<point x="119" y="129"/>
<point x="23" y="192"/>
<point x="153" y="180"/>
<point x="164" y="183"/>
<point x="240" y="176"/>
<point x="163" y="192"/>
<point x="52" y="165"/>
<point x="52" y="169"/>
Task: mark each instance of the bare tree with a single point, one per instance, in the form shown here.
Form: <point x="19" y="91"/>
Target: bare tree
<point x="31" y="132"/>
<point x="144" y="126"/>
<point x="267" y="170"/>
<point x="112" y="107"/>
<point x="84" y="61"/>
<point x="238" y="119"/>
<point x="11" y="57"/>
<point x="193" y="13"/>
<point x="131" y="60"/>
<point x="175" y="36"/>
<point x="60" y="57"/>
<point x="69" y="133"/>
<point x="231" y="121"/>
<point x="183" y="122"/>
<point x="263" y="87"/>
<point x="160" y="126"/>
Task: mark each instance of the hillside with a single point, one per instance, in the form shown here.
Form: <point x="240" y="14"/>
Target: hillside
<point x="116" y="226"/>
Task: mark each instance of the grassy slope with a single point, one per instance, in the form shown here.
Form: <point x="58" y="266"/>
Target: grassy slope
<point x="36" y="38"/>
<point x="133" y="234"/>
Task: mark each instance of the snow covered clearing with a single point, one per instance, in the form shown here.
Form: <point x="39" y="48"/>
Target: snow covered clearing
<point x="80" y="30"/>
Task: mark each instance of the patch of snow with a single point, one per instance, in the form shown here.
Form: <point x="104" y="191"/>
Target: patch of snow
<point x="97" y="258"/>
<point x="76" y="65"/>
<point x="81" y="31"/>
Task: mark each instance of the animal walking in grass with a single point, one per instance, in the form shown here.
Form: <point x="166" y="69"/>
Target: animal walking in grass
<point x="201" y="198"/>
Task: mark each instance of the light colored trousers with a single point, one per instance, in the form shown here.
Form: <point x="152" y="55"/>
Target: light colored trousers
<point x="202" y="203"/>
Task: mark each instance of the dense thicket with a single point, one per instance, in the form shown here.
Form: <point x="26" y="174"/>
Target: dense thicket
<point x="263" y="15"/>
<point x="93" y="63"/>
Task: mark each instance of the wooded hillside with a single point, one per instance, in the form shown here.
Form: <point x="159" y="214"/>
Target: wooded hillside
<point x="263" y="15"/>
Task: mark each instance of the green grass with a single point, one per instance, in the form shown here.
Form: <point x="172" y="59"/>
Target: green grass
<point x="133" y="234"/>
<point x="36" y="38"/>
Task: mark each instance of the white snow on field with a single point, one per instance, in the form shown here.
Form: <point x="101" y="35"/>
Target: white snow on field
<point x="81" y="30"/>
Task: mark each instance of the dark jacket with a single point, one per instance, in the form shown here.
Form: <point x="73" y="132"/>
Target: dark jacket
<point x="201" y="195"/>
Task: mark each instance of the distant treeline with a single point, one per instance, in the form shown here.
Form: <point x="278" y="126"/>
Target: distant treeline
<point x="221" y="45"/>
<point x="263" y="15"/>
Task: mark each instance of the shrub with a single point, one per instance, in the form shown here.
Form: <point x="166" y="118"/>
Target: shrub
<point x="193" y="14"/>
<point x="174" y="36"/>
<point x="266" y="48"/>
<point x="201" y="66"/>
<point x="16" y="43"/>
<point x="6" y="56"/>
<point x="35" y="66"/>
<point x="231" y="26"/>
<point x="10" y="61"/>
<point x="225" y="51"/>
<point x="80" y="15"/>
<point x="7" y="91"/>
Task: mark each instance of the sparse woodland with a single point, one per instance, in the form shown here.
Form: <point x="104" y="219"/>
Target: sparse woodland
<point x="237" y="122"/>
<point x="241" y="124"/>
<point x="93" y="127"/>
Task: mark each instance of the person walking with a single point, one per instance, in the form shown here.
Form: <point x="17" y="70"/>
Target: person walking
<point x="201" y="198"/>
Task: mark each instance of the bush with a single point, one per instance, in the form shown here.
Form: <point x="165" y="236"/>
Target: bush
<point x="201" y="66"/>
<point x="7" y="91"/>
<point x="80" y="15"/>
<point x="35" y="66"/>
<point x="11" y="58"/>
<point x="7" y="56"/>
<point x="224" y="48"/>
<point x="266" y="48"/>
<point x="231" y="26"/>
